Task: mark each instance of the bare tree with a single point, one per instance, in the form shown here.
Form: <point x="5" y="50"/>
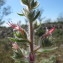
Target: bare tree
<point x="4" y="11"/>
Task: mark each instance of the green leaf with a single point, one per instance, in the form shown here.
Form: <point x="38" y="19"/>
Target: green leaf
<point x="21" y="40"/>
<point x="24" y="2"/>
<point x="45" y="50"/>
<point x="17" y="55"/>
<point x="18" y="40"/>
<point x="34" y="4"/>
<point x="20" y="14"/>
<point x="37" y="14"/>
<point x="31" y="15"/>
<point x="18" y="34"/>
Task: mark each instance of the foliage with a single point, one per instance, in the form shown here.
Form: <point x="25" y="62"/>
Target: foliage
<point x="58" y="32"/>
<point x="21" y="36"/>
<point x="58" y="35"/>
<point x="40" y="32"/>
<point x="46" y="42"/>
<point x="5" y="51"/>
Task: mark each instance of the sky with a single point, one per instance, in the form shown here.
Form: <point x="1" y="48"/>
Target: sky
<point x="51" y="9"/>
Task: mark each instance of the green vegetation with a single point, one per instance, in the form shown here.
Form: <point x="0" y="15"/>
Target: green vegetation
<point x="6" y="49"/>
<point x="50" y="45"/>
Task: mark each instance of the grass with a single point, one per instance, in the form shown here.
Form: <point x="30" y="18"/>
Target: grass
<point x="5" y="52"/>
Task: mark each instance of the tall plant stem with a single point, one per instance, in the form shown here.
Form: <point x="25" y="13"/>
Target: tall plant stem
<point x="31" y="56"/>
<point x="31" y="37"/>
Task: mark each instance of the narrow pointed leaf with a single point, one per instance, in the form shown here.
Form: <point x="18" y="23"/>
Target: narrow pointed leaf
<point x="20" y="14"/>
<point x="37" y="14"/>
<point x="18" y="40"/>
<point x="45" y="50"/>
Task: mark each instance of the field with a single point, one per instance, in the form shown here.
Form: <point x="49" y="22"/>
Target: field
<point x="6" y="49"/>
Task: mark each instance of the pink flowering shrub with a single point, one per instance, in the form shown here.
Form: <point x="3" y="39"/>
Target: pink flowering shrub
<point x="27" y="52"/>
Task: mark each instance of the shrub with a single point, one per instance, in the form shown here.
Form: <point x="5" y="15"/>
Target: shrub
<point x="46" y="42"/>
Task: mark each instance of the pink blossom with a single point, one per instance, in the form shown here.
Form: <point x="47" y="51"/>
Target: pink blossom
<point x="16" y="27"/>
<point x="12" y="25"/>
<point x="15" y="46"/>
<point x="49" y="32"/>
